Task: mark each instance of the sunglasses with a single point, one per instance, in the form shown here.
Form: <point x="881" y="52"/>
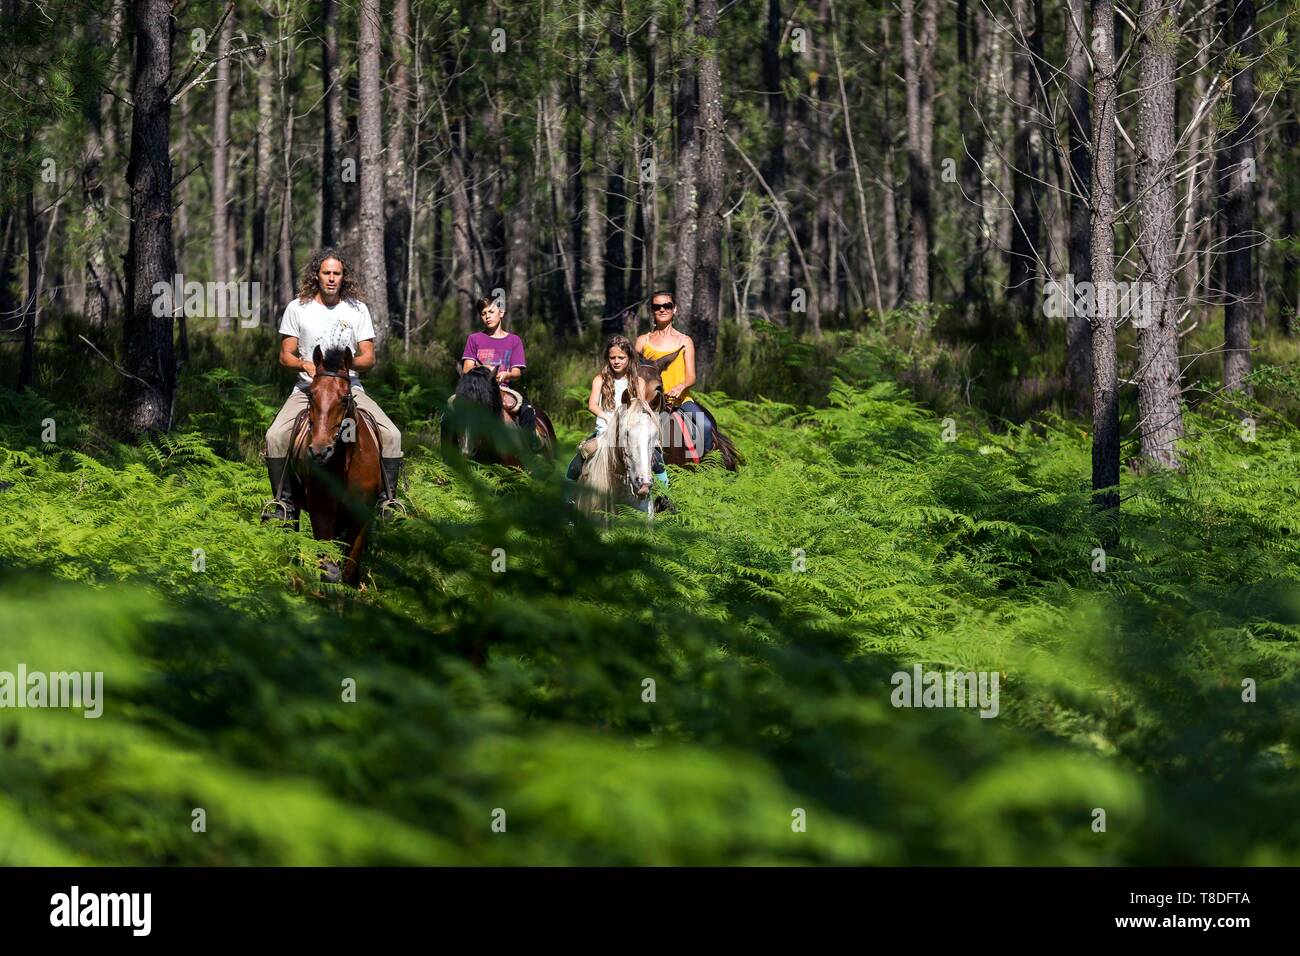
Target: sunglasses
<point x="662" y="306"/>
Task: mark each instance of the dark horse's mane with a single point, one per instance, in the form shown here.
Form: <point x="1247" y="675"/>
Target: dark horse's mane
<point x="333" y="359"/>
<point x="479" y="385"/>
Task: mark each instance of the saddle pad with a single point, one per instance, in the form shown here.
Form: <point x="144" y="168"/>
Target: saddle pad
<point x="670" y="432"/>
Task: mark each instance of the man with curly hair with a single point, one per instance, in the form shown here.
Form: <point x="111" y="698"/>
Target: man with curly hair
<point x="328" y="312"/>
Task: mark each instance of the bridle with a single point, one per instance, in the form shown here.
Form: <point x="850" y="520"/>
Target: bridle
<point x="349" y="403"/>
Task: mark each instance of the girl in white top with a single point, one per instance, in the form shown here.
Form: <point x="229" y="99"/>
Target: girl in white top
<point x="607" y="390"/>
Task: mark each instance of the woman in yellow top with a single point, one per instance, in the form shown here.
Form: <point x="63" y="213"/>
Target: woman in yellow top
<point x="679" y="376"/>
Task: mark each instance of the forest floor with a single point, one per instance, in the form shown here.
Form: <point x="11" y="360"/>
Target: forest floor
<point x="718" y="688"/>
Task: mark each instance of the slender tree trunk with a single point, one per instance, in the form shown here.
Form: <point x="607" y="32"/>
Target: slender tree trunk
<point x="1022" y="265"/>
<point x="370" y="126"/>
<point x="918" y="68"/>
<point x="331" y="227"/>
<point x="587" y="217"/>
<point x="643" y="264"/>
<point x="1105" y="379"/>
<point x="686" y="223"/>
<point x="869" y="246"/>
<point x="777" y="288"/>
<point x="1078" y="328"/>
<point x="221" y="265"/>
<point x="615" y="193"/>
<point x="260" y="267"/>
<point x="284" y="259"/>
<point x="397" y="215"/>
<point x="708" y="240"/>
<point x="147" y="338"/>
<point x="27" y="364"/>
<point x="1159" y="376"/>
<point x="462" y="256"/>
<point x="1236" y="179"/>
<point x="893" y="236"/>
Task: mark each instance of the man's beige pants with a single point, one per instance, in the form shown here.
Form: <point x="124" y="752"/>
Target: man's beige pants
<point x="280" y="435"/>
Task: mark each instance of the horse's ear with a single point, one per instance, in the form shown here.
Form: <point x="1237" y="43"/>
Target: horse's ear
<point x="627" y="396"/>
<point x="664" y="361"/>
<point x="347" y="359"/>
<point x="318" y="358"/>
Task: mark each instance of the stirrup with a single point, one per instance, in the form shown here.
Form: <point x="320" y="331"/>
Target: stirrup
<point x="277" y="509"/>
<point x="391" y="509"/>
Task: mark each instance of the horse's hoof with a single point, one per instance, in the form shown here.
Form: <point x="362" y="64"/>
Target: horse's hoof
<point x="665" y="504"/>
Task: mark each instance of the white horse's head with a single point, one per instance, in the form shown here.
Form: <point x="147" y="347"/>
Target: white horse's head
<point x="637" y="431"/>
<point x="622" y="467"/>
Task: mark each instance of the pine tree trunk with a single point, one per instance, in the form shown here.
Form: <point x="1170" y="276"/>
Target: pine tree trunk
<point x="616" y="187"/>
<point x="708" y="240"/>
<point x="31" y="303"/>
<point x="918" y="69"/>
<point x="397" y="216"/>
<point x="260" y="267"/>
<point x="331" y="225"/>
<point x="643" y="258"/>
<point x="285" y="284"/>
<point x="777" y="288"/>
<point x="147" y="338"/>
<point x="685" y="221"/>
<point x="221" y="265"/>
<point x="1078" y="328"/>
<point x="1236" y="179"/>
<point x="1022" y="263"/>
<point x="370" y="126"/>
<point x="1159" y="376"/>
<point x="893" y="236"/>
<point x="1105" y="379"/>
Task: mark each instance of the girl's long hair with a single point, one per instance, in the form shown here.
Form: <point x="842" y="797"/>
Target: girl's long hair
<point x="607" y="373"/>
<point x="309" y="285"/>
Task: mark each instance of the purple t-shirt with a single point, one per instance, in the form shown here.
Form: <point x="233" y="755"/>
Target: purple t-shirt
<point x="482" y="348"/>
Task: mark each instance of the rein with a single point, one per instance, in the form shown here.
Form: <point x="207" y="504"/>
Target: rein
<point x="349" y="403"/>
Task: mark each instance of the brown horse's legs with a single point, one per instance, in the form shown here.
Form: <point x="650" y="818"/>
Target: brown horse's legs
<point x="352" y="568"/>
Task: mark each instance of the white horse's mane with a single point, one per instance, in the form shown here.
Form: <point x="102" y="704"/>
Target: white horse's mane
<point x="603" y="476"/>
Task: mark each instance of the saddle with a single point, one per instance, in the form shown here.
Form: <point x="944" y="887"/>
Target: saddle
<point x="298" y="448"/>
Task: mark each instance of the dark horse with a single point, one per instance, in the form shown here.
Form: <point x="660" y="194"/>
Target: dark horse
<point x="336" y="453"/>
<point x="475" y="416"/>
<point x="671" y="424"/>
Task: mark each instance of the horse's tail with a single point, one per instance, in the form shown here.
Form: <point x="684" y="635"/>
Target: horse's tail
<point x="731" y="457"/>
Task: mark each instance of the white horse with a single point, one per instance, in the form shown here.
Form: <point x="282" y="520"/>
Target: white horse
<point x="619" y="471"/>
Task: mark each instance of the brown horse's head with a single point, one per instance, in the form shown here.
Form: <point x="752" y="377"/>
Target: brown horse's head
<point x="331" y="404"/>
<point x="652" y="378"/>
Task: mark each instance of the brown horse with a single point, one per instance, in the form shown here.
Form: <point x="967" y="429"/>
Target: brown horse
<point x="470" y="424"/>
<point x="336" y="453"/>
<point x="670" y="426"/>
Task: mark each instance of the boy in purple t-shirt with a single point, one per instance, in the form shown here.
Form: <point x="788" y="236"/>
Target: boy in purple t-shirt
<point x="501" y="349"/>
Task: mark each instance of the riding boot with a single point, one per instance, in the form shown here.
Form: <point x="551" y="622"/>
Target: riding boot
<point x="281" y="506"/>
<point x="389" y="505"/>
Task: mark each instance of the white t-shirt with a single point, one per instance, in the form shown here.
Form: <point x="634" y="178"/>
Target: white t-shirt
<point x="620" y="386"/>
<point x="344" y="325"/>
